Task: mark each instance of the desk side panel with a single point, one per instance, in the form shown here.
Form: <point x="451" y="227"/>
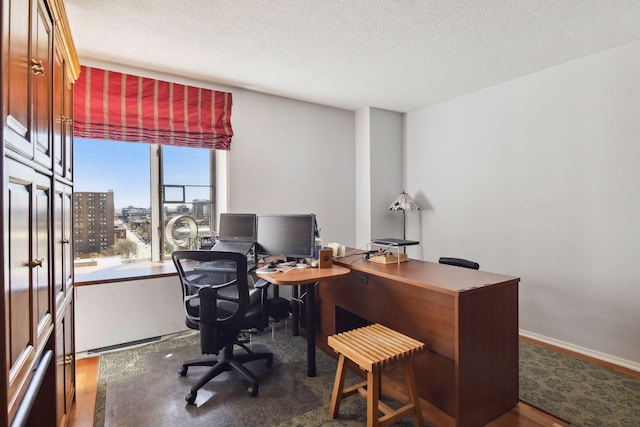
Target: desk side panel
<point x="488" y="353"/>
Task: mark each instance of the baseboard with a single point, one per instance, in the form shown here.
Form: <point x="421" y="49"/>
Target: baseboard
<point x="607" y="358"/>
<point x="123" y="345"/>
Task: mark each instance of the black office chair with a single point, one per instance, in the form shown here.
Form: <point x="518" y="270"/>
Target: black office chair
<point x="218" y="302"/>
<point x="459" y="262"/>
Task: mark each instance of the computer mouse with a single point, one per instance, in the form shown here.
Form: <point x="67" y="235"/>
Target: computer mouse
<point x="270" y="264"/>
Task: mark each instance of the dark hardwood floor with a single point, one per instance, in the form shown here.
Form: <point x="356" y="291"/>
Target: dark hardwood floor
<point x="522" y="415"/>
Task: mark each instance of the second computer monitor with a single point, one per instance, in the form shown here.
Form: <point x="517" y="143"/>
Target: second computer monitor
<point x="292" y="236"/>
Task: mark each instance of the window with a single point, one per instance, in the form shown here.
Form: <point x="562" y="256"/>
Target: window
<point x="119" y="195"/>
<point x="188" y="192"/>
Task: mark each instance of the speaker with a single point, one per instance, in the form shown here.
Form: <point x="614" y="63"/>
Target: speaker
<point x="325" y="258"/>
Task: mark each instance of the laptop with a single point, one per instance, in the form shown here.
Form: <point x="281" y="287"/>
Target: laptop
<point x="236" y="233"/>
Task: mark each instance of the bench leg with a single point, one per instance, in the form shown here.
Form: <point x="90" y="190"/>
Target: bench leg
<point x="412" y="390"/>
<point x="373" y="396"/>
<point x="338" y="387"/>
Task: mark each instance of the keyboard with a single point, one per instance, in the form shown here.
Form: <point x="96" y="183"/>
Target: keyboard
<point x="241" y="247"/>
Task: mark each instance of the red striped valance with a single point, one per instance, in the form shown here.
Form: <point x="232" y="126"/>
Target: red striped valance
<point x="123" y="107"/>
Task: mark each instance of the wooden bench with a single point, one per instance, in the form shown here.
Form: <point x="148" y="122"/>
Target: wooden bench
<point x="372" y="348"/>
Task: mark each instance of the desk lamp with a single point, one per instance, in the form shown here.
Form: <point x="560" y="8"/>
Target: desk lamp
<point x="404" y="203"/>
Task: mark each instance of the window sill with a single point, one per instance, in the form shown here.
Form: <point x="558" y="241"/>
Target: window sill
<point x="99" y="274"/>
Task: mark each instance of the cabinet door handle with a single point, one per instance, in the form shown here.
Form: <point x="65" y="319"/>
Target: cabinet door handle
<point x="36" y="263"/>
<point x="36" y="67"/>
<point x="65" y="241"/>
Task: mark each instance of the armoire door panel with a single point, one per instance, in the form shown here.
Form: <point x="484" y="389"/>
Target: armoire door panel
<point x="21" y="321"/>
<point x="62" y="257"/>
<point x="17" y="230"/>
<point x="41" y="270"/>
<point x="58" y="112"/>
<point x="60" y="383"/>
<point x="58" y="247"/>
<point x="41" y="51"/>
<point x="67" y="231"/>
<point x="17" y="76"/>
<point x="27" y="220"/>
<point x="41" y="258"/>
<point x="69" y="356"/>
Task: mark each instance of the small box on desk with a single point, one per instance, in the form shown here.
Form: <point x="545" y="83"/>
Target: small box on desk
<point x="389" y="258"/>
<point x="325" y="258"/>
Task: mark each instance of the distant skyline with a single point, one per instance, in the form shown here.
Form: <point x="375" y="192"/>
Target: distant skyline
<point x="100" y="166"/>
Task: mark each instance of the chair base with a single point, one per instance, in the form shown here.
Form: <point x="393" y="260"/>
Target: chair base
<point x="227" y="361"/>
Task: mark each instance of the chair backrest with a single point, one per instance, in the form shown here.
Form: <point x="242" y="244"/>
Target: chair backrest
<point x="215" y="294"/>
<point x="459" y="262"/>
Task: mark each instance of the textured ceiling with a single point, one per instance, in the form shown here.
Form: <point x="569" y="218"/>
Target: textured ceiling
<point x="398" y="55"/>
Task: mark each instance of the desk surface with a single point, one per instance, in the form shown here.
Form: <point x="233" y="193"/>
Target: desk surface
<point x="302" y="276"/>
<point x="438" y="277"/>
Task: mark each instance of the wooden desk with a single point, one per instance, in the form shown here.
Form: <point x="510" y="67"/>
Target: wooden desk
<point x="468" y="320"/>
<point x="309" y="277"/>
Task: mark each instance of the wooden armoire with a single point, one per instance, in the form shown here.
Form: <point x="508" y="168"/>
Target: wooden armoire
<point x="39" y="67"/>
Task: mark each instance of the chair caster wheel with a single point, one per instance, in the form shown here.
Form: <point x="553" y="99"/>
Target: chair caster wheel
<point x="183" y="371"/>
<point x="253" y="390"/>
<point x="191" y="397"/>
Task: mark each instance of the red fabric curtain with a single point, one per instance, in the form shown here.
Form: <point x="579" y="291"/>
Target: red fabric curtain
<point x="123" y="107"/>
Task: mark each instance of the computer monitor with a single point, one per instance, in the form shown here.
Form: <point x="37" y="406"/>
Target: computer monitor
<point x="292" y="236"/>
<point x="237" y="227"/>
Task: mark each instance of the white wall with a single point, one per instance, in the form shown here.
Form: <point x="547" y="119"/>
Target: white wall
<point x="121" y="312"/>
<point x="362" y="166"/>
<point x="290" y="156"/>
<point x="538" y="178"/>
<point x="378" y="166"/>
<point x="386" y="172"/>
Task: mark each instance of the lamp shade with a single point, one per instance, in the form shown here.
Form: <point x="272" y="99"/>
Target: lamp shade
<point x="404" y="202"/>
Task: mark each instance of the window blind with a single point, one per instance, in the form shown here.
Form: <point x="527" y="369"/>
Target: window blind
<point x="123" y="107"/>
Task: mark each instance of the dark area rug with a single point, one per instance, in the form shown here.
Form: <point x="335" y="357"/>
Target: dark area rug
<point x="156" y="397"/>
<point x="141" y="387"/>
